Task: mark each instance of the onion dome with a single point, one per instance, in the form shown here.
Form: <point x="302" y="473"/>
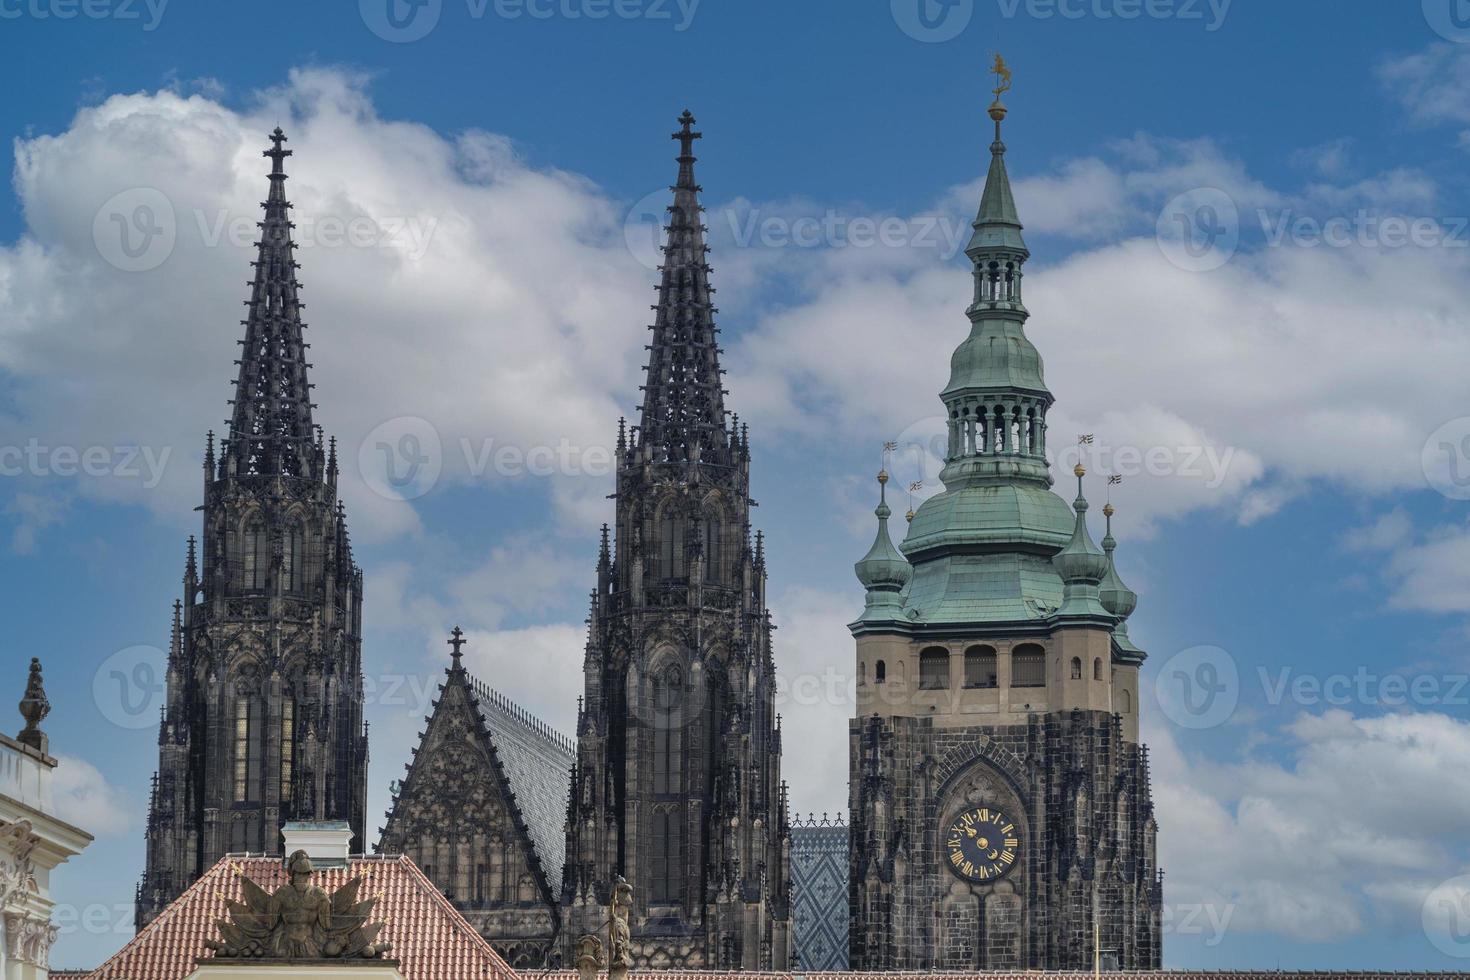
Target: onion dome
<point x="1116" y="597"/>
<point x="1081" y="565"/>
<point x="883" y="571"/>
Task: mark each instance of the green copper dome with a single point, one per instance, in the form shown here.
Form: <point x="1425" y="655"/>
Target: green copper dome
<point x="1117" y="598"/>
<point x="1081" y="565"/>
<point x="997" y="354"/>
<point x="883" y="571"/>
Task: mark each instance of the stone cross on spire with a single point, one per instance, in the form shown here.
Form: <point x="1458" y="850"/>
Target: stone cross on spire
<point x="686" y="137"/>
<point x="277" y="152"/>
<point x="456" y="640"/>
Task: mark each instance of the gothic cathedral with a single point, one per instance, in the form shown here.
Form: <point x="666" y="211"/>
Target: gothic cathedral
<point x="263" y="718"/>
<point x="1001" y="816"/>
<point x="677" y="782"/>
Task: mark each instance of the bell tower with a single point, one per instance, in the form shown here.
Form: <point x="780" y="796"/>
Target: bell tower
<point x="263" y="718"/>
<point x="1001" y="817"/>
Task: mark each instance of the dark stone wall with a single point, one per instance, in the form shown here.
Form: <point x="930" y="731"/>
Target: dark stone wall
<point x="1080" y="794"/>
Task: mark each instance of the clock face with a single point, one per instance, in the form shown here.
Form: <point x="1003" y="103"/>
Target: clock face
<point x="982" y="844"/>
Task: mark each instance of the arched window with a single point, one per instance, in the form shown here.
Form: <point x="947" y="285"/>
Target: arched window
<point x="1125" y="701"/>
<point x="668" y="856"/>
<point x="1097" y="669"/>
<point x="862" y="673"/>
<point x="288" y="747"/>
<point x="668" y="733"/>
<point x="714" y="554"/>
<point x="980" y="667"/>
<point x="934" y="669"/>
<point x="293" y="558"/>
<point x="880" y="672"/>
<point x="668" y="785"/>
<point x="249" y="736"/>
<point x="1076" y="668"/>
<point x="1028" y="666"/>
<point x="256" y="552"/>
<point x="671" y="546"/>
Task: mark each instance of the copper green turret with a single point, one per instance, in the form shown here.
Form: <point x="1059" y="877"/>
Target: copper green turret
<point x="981" y="549"/>
<point x="883" y="571"/>
<point x="1117" y="598"/>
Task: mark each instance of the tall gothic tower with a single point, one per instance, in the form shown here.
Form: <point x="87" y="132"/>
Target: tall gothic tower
<point x="677" y="783"/>
<point x="263" y="720"/>
<point x="1001" y="812"/>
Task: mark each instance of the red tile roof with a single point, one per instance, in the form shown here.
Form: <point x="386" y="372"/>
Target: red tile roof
<point x="431" y="940"/>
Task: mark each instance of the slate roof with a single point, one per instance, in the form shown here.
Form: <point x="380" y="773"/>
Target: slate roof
<point x="431" y="940"/>
<point x="537" y="761"/>
<point x="819" y="892"/>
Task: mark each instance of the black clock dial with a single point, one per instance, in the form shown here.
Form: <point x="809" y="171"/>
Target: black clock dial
<point x="982" y="844"/>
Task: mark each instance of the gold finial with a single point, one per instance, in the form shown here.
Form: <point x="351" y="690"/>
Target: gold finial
<point x="909" y="516"/>
<point x="1079" y="471"/>
<point x="882" y="476"/>
<point x="1108" y="509"/>
<point x="1003" y="85"/>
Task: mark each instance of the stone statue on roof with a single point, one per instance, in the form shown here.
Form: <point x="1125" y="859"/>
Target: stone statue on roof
<point x="299" y="921"/>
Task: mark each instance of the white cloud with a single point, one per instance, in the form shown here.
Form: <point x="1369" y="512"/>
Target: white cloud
<point x="1347" y="835"/>
<point x="1433" y="84"/>
<point x="1389" y="531"/>
<point x="539" y="668"/>
<point x="479" y="288"/>
<point x="1254" y="371"/>
<point x="1433" y="574"/>
<point x="33" y="513"/>
<point x="84" y="798"/>
<point x="815" y="661"/>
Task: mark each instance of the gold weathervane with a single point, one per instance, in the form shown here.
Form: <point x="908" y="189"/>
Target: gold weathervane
<point x="1003" y="85"/>
<point x="1000" y="70"/>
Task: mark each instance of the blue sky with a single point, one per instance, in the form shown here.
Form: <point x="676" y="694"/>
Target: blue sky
<point x="479" y="202"/>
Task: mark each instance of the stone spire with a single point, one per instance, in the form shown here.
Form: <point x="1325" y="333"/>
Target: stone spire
<point x="271" y="430"/>
<point x="34" y="707"/>
<point x="883" y="571"/>
<point x="683" y="399"/>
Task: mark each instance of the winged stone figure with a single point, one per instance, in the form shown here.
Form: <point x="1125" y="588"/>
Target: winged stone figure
<point x="299" y="921"/>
